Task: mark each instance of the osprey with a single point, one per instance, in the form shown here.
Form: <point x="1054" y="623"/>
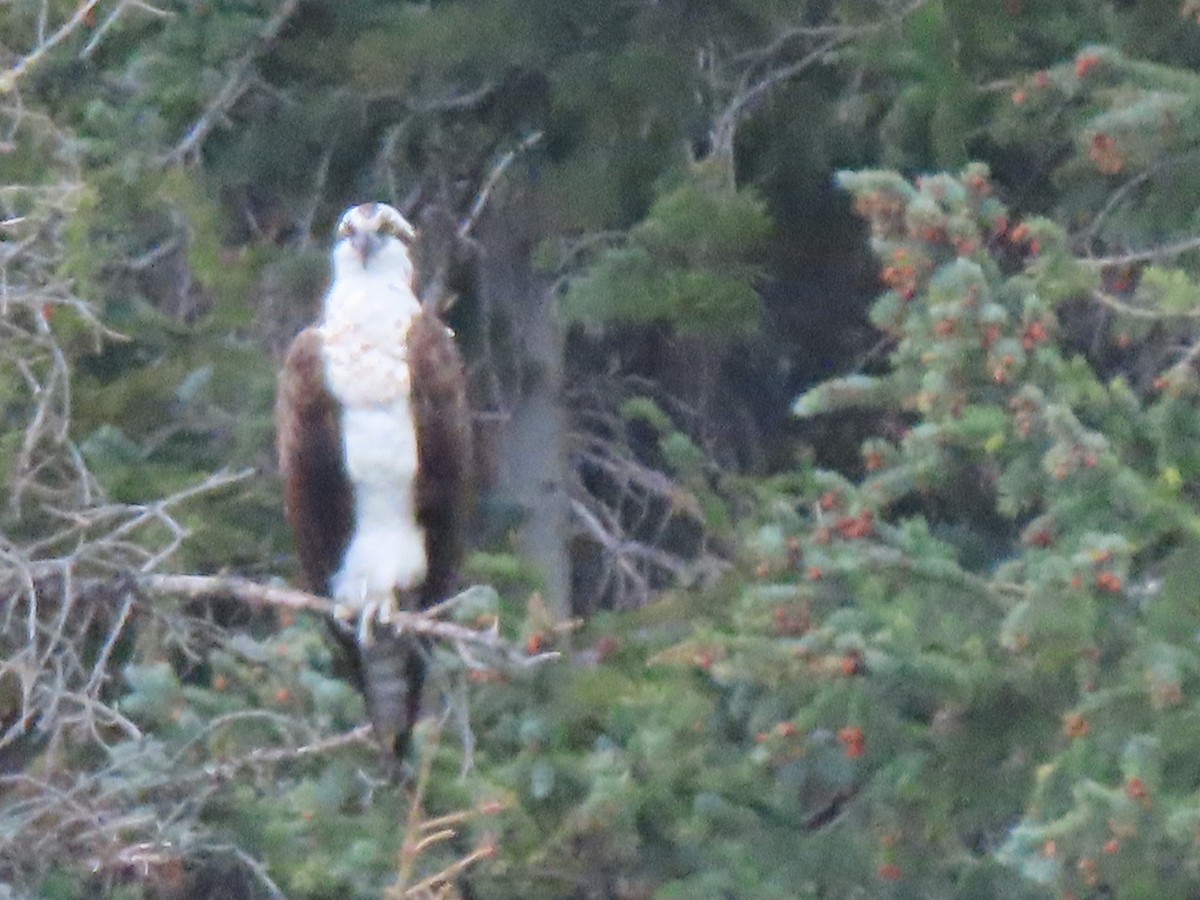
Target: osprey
<point x="374" y="447"/>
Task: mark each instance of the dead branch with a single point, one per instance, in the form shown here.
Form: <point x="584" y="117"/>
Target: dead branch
<point x="1149" y="255"/>
<point x="111" y="19"/>
<point x="257" y="867"/>
<point x="630" y="509"/>
<point x="765" y="68"/>
<point x="199" y="587"/>
<point x="421" y="834"/>
<point x="8" y="80"/>
<point x="263" y="758"/>
<point x="90" y="817"/>
<point x="1125" y="190"/>
<point x="1140" y="312"/>
<point x="725" y="128"/>
<point x="63" y="617"/>
<point x="467" y="225"/>
<point x="241" y="74"/>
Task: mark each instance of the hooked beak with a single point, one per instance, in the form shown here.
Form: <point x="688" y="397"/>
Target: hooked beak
<point x="365" y="244"/>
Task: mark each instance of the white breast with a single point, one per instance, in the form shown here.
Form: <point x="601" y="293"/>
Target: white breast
<point x="387" y="549"/>
<point x="365" y="338"/>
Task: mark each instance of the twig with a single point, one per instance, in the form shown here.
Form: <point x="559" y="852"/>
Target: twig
<point x="361" y="735"/>
<point x="454" y="102"/>
<point x="305" y="225"/>
<point x="624" y="547"/>
<point x="412" y="824"/>
<point x="1125" y="189"/>
<point x="254" y="865"/>
<point x="1152" y="254"/>
<point x="255" y="594"/>
<point x="481" y="199"/>
<point x="150" y="257"/>
<point x="484" y="851"/>
<point x="420" y="834"/>
<point x="111" y="19"/>
<point x="8" y="81"/>
<point x="233" y="88"/>
<point x="1139" y="312"/>
<point x="724" y="130"/>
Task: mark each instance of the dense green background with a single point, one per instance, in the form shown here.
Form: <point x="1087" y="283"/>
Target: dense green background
<point x="874" y="492"/>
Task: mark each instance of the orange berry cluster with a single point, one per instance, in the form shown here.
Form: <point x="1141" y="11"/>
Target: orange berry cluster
<point x="885" y="212"/>
<point x="1041" y="537"/>
<point x="1071" y="460"/>
<point x="890" y="872"/>
<point x="1135" y="789"/>
<point x="1040" y="80"/>
<point x="1035" y="333"/>
<point x="1106" y="155"/>
<point x="904" y="273"/>
<point x="852" y="663"/>
<point x="1076" y="726"/>
<point x="1026" y="413"/>
<point x="852" y="738"/>
<point x="1020" y="235"/>
<point x="1085" y="64"/>
<point x="791" y="621"/>
<point x="853" y="528"/>
<point x="785" y="729"/>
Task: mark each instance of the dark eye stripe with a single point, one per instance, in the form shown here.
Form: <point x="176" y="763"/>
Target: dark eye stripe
<point x="374" y="218"/>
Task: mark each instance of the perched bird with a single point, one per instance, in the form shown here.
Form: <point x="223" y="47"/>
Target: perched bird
<point x="374" y="443"/>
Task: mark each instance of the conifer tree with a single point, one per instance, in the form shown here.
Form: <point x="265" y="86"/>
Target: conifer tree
<point x="962" y="667"/>
<point x="1017" y="549"/>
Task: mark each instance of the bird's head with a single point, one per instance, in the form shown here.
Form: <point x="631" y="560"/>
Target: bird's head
<point x="375" y="237"/>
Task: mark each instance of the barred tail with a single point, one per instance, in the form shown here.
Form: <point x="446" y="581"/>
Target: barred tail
<point x="389" y="672"/>
<point x="393" y="672"/>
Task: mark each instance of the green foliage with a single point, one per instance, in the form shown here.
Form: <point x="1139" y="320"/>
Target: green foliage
<point x="989" y="622"/>
<point x="1107" y="118"/>
<point x="317" y="827"/>
<point x="689" y="263"/>
<point x="506" y="571"/>
<point x="1055" y="625"/>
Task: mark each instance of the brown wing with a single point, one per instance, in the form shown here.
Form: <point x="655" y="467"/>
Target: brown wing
<point x="444" y="488"/>
<point x="318" y="496"/>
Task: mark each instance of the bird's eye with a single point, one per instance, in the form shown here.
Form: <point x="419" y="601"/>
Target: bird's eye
<point x="346" y="229"/>
<point x="393" y="228"/>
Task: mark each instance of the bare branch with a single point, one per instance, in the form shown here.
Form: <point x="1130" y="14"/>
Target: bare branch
<point x="111" y="19"/>
<point x="255" y="866"/>
<point x="235" y="85"/>
<point x="267" y="757"/>
<point x="1119" y="195"/>
<point x="1151" y="254"/>
<point x="725" y="129"/>
<point x="9" y="79"/>
<point x="93" y="816"/>
<point x="254" y="594"/>
<point x="305" y="225"/>
<point x="481" y="199"/>
<point x="421" y="833"/>
<point x="754" y="83"/>
<point x="1140" y="312"/>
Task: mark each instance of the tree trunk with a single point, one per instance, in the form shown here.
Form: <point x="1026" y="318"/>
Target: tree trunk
<point x="518" y="312"/>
